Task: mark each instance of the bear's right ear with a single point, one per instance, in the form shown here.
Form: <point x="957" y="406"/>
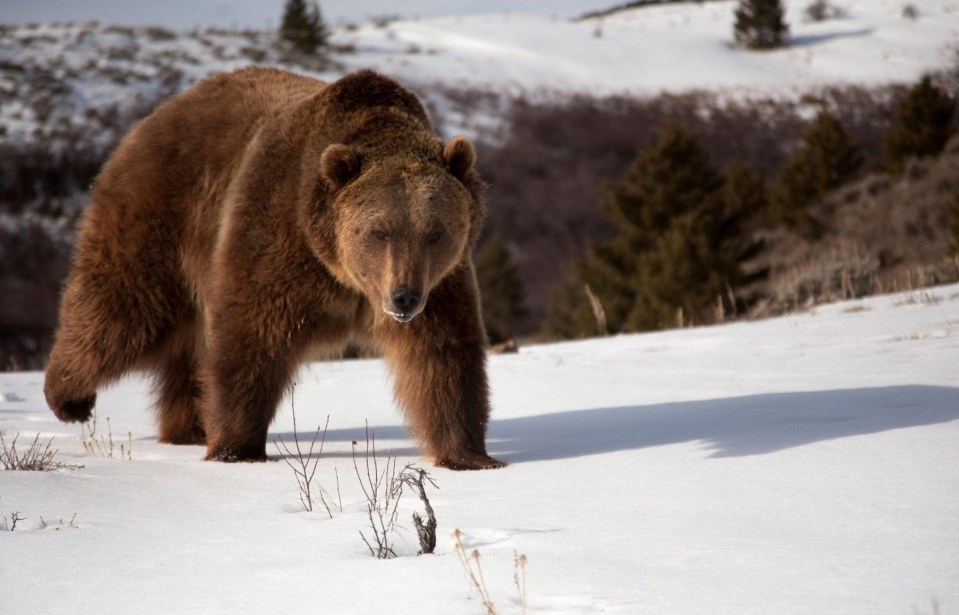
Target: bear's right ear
<point x="339" y="164"/>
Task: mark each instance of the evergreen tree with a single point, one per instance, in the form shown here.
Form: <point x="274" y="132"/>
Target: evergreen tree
<point x="303" y="26"/>
<point x="825" y="160"/>
<point x="682" y="242"/>
<point x="670" y="178"/>
<point x="501" y="289"/>
<point x="744" y="198"/>
<point x="700" y="256"/>
<point x="922" y="124"/>
<point x="759" y="24"/>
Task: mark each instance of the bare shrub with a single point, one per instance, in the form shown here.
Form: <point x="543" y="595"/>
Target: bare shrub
<point x="59" y="525"/>
<point x="831" y="273"/>
<point x="416" y="478"/>
<point x="823" y="10"/>
<point x="303" y="462"/>
<point x="383" y="488"/>
<point x="910" y="12"/>
<point x="37" y="457"/>
<point x="10" y="523"/>
<point x="382" y="491"/>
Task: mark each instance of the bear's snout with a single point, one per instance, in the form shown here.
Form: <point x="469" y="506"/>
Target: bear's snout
<point x="405" y="303"/>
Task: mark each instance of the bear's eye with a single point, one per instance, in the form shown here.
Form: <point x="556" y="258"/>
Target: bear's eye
<point x="434" y="237"/>
<point x="381" y="235"/>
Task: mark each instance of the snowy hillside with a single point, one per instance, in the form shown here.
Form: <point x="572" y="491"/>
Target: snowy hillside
<point x="806" y="464"/>
<point x="667" y="48"/>
<point x="53" y="77"/>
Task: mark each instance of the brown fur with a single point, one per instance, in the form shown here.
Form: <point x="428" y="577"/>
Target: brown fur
<point x="263" y="216"/>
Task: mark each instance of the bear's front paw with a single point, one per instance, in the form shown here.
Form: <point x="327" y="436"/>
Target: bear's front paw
<point x="470" y="461"/>
<point x="74" y="411"/>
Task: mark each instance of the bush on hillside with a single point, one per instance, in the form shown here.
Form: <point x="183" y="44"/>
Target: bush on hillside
<point x="921" y="126"/>
<point x="823" y="10"/>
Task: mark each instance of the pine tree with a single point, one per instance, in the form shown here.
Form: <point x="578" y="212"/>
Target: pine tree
<point x="501" y="289"/>
<point x="700" y="257"/>
<point x="670" y="178"/>
<point x="760" y="24"/>
<point x="922" y="124"/>
<point x="825" y="160"/>
<point x="683" y="237"/>
<point x="303" y="26"/>
<point x="744" y="198"/>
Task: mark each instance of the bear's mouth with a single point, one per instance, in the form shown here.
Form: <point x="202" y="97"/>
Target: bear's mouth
<point x="402" y="316"/>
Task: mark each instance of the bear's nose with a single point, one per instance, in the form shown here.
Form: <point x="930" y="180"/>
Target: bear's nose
<point x="406" y="299"/>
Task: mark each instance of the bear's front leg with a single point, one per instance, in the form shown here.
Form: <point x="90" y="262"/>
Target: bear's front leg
<point x="439" y="362"/>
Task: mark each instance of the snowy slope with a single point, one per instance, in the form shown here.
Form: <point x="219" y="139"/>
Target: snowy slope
<point x="58" y="78"/>
<point x="805" y="464"/>
<point x="665" y="48"/>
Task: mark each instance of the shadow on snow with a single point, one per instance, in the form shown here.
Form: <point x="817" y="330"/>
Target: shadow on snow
<point x="733" y="427"/>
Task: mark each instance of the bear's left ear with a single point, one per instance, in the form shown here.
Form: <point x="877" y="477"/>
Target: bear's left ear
<point x="459" y="157"/>
<point x="339" y="164"/>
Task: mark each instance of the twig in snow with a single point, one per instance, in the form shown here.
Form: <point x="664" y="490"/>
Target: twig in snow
<point x="304" y="465"/>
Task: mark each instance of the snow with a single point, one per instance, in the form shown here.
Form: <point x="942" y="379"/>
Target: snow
<point x="803" y="464"/>
<point x="664" y="48"/>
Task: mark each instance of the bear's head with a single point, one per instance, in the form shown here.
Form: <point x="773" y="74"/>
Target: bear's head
<point x="393" y="226"/>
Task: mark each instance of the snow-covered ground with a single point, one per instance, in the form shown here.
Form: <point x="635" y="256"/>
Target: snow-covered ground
<point x="804" y="464"/>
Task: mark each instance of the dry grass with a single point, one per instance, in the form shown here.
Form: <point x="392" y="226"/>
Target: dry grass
<point x="99" y="444"/>
<point x="474" y="574"/>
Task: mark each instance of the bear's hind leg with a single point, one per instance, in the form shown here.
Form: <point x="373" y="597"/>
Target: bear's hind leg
<point x="114" y="312"/>
<point x="178" y="392"/>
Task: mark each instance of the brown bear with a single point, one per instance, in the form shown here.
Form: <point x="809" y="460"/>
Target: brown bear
<point x="257" y="219"/>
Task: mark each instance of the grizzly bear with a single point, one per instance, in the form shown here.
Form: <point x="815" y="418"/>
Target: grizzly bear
<point x="262" y="217"/>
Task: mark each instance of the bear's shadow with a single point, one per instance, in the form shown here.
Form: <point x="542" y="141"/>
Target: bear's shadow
<point x="731" y="427"/>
